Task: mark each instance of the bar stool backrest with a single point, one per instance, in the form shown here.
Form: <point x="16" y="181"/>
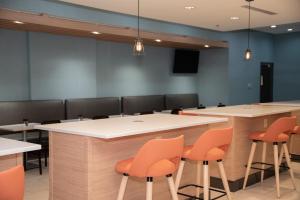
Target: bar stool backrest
<point x="12" y="184"/>
<point x="281" y="125"/>
<point x="217" y="138"/>
<point x="154" y="151"/>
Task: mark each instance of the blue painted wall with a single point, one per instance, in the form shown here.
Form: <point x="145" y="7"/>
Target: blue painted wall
<point x="109" y="69"/>
<point x="119" y="73"/>
<point x="14" y="72"/>
<point x="213" y="83"/>
<point x="244" y="76"/>
<point x="287" y="66"/>
<point x="62" y="66"/>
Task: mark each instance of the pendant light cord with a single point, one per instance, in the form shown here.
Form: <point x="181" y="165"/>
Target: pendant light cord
<point x="138" y="19"/>
<point x="249" y="26"/>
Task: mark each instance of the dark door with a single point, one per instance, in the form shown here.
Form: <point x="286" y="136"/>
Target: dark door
<point x="266" y="82"/>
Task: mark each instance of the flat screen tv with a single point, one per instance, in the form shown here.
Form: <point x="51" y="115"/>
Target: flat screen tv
<point x="186" y="61"/>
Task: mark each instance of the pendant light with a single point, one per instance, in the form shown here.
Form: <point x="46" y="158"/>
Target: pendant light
<point x="248" y="52"/>
<point x="138" y="48"/>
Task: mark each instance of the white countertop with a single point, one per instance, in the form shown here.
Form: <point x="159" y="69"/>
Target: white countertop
<point x="19" y="127"/>
<point x="283" y="103"/>
<point x="8" y="147"/>
<point x="127" y="126"/>
<point x="244" y="110"/>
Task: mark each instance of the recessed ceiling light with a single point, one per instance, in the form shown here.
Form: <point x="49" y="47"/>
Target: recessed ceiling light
<point x="273" y="26"/>
<point x="234" y="18"/>
<point x="18" y="22"/>
<point x="157" y="40"/>
<point x="96" y="33"/>
<point x="189" y="7"/>
<point x="290" y="29"/>
<point x="206" y="46"/>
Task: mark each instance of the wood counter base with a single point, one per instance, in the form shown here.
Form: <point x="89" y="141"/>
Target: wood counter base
<point x="9" y="161"/>
<point x="83" y="168"/>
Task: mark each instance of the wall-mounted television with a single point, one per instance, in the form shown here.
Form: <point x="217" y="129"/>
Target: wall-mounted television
<point x="186" y="61"/>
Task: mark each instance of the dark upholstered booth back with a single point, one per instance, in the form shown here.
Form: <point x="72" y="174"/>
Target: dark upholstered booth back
<point x="35" y="111"/>
<point x="92" y="107"/>
<point x="140" y="104"/>
<point x="174" y="101"/>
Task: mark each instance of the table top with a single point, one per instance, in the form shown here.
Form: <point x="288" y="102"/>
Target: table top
<point x="19" y="127"/>
<point x="9" y="147"/>
<point x="283" y="103"/>
<point x="74" y="120"/>
<point x="132" y="125"/>
<point x="244" y="110"/>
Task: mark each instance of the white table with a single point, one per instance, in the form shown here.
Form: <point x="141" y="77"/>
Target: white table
<point x="19" y="128"/>
<point x="23" y="128"/>
<point x="111" y="128"/>
<point x="250" y="111"/>
<point x="11" y="152"/>
<point x="283" y="103"/>
<point x="74" y="120"/>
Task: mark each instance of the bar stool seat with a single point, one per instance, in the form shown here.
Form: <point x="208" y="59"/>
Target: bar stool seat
<point x="212" y="145"/>
<point x="211" y="155"/>
<point x="160" y="168"/>
<point x="156" y="158"/>
<point x="12" y="184"/>
<point x="259" y="136"/>
<point x="277" y="132"/>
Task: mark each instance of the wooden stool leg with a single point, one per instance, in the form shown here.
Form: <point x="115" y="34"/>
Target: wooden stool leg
<point x="205" y="180"/>
<point x="290" y="145"/>
<point x="198" y="178"/>
<point x="288" y="160"/>
<point x="122" y="187"/>
<point x="263" y="160"/>
<point x="250" y="160"/>
<point x="224" y="179"/>
<point x="179" y="174"/>
<point x="149" y="188"/>
<point x="281" y="155"/>
<point x="276" y="166"/>
<point x="172" y="187"/>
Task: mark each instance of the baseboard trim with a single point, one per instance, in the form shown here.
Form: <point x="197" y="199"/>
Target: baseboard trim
<point x="295" y="158"/>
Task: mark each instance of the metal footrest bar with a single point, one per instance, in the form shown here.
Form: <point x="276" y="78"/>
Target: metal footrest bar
<point x="223" y="193"/>
<point x="267" y="169"/>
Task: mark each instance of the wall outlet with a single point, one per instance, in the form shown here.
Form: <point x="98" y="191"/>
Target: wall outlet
<point x="265" y="123"/>
<point x="249" y="86"/>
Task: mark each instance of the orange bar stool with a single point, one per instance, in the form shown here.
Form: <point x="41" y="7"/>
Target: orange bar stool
<point x="275" y="134"/>
<point x="12" y="184"/>
<point x="295" y="131"/>
<point x="210" y="146"/>
<point x="158" y="157"/>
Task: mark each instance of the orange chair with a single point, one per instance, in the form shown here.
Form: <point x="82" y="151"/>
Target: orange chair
<point x="12" y="184"/>
<point x="158" y="157"/>
<point x="295" y="131"/>
<point x="275" y="134"/>
<point x="211" y="146"/>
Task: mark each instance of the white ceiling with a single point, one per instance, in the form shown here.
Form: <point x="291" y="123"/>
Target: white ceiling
<point x="206" y="14"/>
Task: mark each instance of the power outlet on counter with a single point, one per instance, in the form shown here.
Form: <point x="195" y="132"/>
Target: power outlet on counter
<point x="265" y="123"/>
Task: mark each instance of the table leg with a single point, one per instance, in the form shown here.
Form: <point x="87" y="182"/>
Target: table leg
<point x="25" y="153"/>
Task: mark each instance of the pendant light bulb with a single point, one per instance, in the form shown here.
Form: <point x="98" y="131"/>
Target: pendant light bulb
<point x="138" y="48"/>
<point x="248" y="54"/>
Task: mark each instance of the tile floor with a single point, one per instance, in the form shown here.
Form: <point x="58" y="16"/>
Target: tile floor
<point x="37" y="187"/>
